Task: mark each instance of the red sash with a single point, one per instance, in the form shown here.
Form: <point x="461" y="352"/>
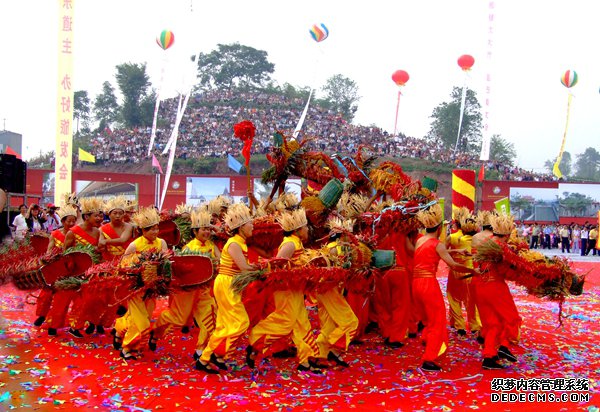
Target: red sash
<point x="110" y="233"/>
<point x="59" y="237"/>
<point x="82" y="237"/>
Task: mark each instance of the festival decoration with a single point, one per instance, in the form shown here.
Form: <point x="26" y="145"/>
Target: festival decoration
<point x="463" y="189"/>
<point x="465" y="62"/>
<point x="400" y="77"/>
<point x="165" y="39"/>
<point x="319" y="32"/>
<point x="568" y="79"/>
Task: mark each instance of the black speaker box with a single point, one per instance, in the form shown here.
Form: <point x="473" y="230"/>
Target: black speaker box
<point x="13" y="174"/>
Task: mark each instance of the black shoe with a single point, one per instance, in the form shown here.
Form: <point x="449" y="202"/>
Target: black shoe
<point x="420" y="326"/>
<point x="504" y="353"/>
<point x="394" y="345"/>
<point x="196" y="356"/>
<point x="310" y="369"/>
<point x="205" y="368"/>
<point x="90" y="329"/>
<point x="316" y="364"/>
<point x="117" y="340"/>
<point x="185" y="329"/>
<point x="461" y="332"/>
<point x="152" y="342"/>
<point x="356" y="342"/>
<point x="75" y="333"/>
<point x="128" y="355"/>
<point x="491" y="364"/>
<point x="250" y="357"/>
<point x="338" y="361"/>
<point x="371" y="327"/>
<point x="219" y="364"/>
<point x="51" y="332"/>
<point x="122" y="310"/>
<point x="430" y="367"/>
<point x="290" y="352"/>
<point x="480" y="340"/>
<point x="412" y="335"/>
<point x="100" y="329"/>
<point x="39" y="321"/>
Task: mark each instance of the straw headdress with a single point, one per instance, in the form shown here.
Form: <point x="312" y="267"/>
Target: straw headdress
<point x="91" y="205"/>
<point x="502" y="225"/>
<point x="183" y="209"/>
<point x="293" y="220"/>
<point x="66" y="210"/>
<point x="219" y="202"/>
<point x="431" y="217"/>
<point x="131" y="206"/>
<point x="237" y="215"/>
<point x="71" y="199"/>
<point x="483" y="218"/>
<point x="379" y="206"/>
<point x="461" y="214"/>
<point x="469" y="225"/>
<point x="200" y="218"/>
<point x="352" y="205"/>
<point x="337" y="224"/>
<point x="117" y="202"/>
<point x="146" y="217"/>
<point x="286" y="201"/>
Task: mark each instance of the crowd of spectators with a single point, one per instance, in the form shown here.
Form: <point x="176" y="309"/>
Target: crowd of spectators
<point x="206" y="130"/>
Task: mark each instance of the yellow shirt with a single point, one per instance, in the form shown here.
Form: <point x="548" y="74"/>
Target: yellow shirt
<point x="298" y="247"/>
<point x="593" y="234"/>
<point x="141" y="245"/>
<point x="207" y="247"/>
<point x="455" y="239"/>
<point x="227" y="265"/>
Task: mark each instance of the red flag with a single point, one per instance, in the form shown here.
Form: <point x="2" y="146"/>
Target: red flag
<point x="156" y="164"/>
<point x="10" y="151"/>
<point x="481" y="174"/>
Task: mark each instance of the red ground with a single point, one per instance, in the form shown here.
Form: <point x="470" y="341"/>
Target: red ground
<point x="42" y="373"/>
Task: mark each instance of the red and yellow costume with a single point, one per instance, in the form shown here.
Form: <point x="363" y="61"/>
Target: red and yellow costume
<point x="428" y="300"/>
<point x="198" y="303"/>
<point x="289" y="317"/>
<point x="44" y="300"/>
<point x="232" y="319"/>
<point x="460" y="291"/>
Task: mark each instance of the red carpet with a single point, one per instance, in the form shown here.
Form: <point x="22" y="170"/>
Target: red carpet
<point x="41" y="373"/>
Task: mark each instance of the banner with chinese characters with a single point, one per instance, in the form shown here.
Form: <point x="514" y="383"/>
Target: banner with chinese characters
<point x="487" y="135"/>
<point x="63" y="164"/>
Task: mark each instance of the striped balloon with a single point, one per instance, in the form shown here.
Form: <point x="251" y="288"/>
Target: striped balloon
<point x="463" y="189"/>
<point x="319" y="32"/>
<point x="165" y="39"/>
<point x="569" y="78"/>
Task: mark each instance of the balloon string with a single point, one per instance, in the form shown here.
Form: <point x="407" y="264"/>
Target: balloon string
<point x="397" y="109"/>
<point x="462" y="111"/>
<point x="157" y="104"/>
<point x="556" y="169"/>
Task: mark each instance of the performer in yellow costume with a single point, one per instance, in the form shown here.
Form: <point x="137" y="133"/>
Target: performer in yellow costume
<point x="290" y="312"/>
<point x="198" y="302"/>
<point x="139" y="309"/>
<point x="232" y="319"/>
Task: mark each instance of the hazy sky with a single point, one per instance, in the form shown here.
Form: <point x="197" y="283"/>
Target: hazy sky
<point x="535" y="41"/>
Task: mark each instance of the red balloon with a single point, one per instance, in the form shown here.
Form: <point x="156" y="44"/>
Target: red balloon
<point x="466" y="61"/>
<point x="400" y="77"/>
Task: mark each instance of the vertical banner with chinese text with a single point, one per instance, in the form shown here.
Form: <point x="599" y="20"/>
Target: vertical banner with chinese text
<point x="63" y="163"/>
<point x="487" y="135"/>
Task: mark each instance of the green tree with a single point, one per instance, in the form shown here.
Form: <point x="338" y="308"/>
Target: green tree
<point x="234" y="65"/>
<point x="82" y="109"/>
<point x="502" y="151"/>
<point x="588" y="165"/>
<point x="134" y="84"/>
<point x="106" y="106"/>
<point x="564" y="166"/>
<point x="444" y="127"/>
<point x="575" y="204"/>
<point x="342" y="94"/>
<point x="521" y="205"/>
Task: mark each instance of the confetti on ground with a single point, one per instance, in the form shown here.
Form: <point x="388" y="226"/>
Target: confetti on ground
<point x="38" y="372"/>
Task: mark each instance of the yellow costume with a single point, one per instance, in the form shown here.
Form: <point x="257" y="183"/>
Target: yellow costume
<point x="232" y="319"/>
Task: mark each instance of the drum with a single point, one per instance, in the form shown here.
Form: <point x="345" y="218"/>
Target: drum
<point x="39" y="243"/>
<point x="191" y="270"/>
<point x="429" y="183"/>
<point x="169" y="231"/>
<point x="71" y="264"/>
<point x="331" y="193"/>
<point x="383" y="259"/>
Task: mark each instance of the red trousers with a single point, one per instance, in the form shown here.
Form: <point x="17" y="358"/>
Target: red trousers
<point x="431" y="310"/>
<point x="395" y="297"/>
<point x="500" y="319"/>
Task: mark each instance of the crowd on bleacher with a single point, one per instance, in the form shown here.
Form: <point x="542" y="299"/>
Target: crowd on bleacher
<point x="206" y="131"/>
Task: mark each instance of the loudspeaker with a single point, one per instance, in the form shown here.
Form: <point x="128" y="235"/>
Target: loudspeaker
<point x="13" y="174"/>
